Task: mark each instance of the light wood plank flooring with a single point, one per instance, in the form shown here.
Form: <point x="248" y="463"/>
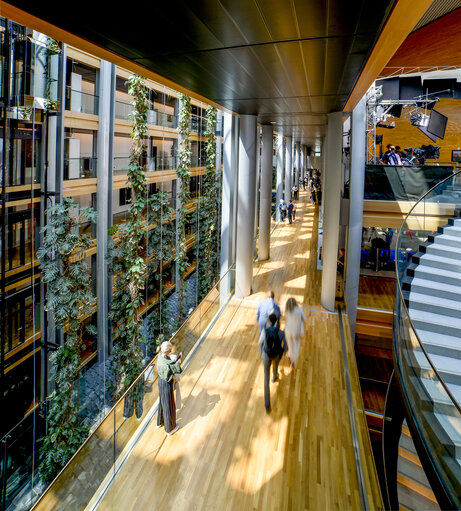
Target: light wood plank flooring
<point x="228" y="453"/>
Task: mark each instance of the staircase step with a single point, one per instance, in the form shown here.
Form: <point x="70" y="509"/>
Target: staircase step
<point x="440" y="344"/>
<point x="455" y="391"/>
<point x="413" y="495"/>
<point x="440" y="400"/>
<point x="444" y="239"/>
<point x="433" y="261"/>
<point x="452" y="427"/>
<point x="436" y="323"/>
<point x="434" y="274"/>
<point x="443" y="250"/>
<point x="448" y="368"/>
<point x="451" y="230"/>
<point x="436" y="305"/>
<point x="456" y="222"/>
<point x="433" y="288"/>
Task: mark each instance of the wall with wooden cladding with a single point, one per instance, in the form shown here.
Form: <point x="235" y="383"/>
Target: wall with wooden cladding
<point x="406" y="135"/>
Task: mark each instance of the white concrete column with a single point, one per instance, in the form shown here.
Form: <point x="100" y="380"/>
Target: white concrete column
<point x="229" y="192"/>
<point x="288" y="168"/>
<point x="106" y="92"/>
<point x="245" y="208"/>
<point x="279" y="189"/>
<point x="331" y="195"/>
<point x="356" y="191"/>
<point x="265" y="193"/>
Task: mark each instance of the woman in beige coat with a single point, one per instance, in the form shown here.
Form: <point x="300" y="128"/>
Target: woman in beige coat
<point x="294" y="329"/>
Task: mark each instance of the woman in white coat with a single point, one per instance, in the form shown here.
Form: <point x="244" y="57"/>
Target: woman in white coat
<point x="294" y="329"/>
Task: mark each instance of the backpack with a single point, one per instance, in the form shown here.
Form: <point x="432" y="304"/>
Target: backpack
<point x="272" y="345"/>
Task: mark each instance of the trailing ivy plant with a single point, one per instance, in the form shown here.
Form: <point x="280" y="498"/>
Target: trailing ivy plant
<point x="183" y="197"/>
<point x="160" y="247"/>
<point x="52" y="48"/>
<point x="70" y="299"/>
<point x="210" y="206"/>
<point x="128" y="252"/>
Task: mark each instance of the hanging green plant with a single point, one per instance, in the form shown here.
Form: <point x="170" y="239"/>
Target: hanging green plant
<point x="183" y="197"/>
<point x="128" y="252"/>
<point x="52" y="48"/>
<point x="160" y="247"/>
<point x="209" y="211"/>
<point x="69" y="298"/>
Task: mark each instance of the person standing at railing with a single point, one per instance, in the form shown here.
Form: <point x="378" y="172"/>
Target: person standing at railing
<point x="167" y="368"/>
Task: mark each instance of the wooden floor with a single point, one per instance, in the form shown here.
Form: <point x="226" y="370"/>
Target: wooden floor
<point x="228" y="453"/>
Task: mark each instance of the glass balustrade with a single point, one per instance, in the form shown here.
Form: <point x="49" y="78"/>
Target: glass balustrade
<point x="96" y="463"/>
<point x="83" y="102"/>
<point x="80" y="168"/>
<point x="432" y="396"/>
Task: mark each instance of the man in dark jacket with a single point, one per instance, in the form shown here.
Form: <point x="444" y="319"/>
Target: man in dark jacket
<point x="290" y="212"/>
<point x="272" y="345"/>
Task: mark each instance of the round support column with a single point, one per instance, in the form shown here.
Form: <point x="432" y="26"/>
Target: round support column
<point x="279" y="190"/>
<point x="357" y="184"/>
<point x="265" y="190"/>
<point x="331" y="195"/>
<point x="288" y="168"/>
<point x="246" y="207"/>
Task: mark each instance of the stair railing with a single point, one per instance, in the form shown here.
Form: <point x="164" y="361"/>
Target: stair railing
<point x="433" y="412"/>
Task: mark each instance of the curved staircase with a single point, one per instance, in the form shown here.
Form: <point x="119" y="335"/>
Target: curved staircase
<point x="432" y="293"/>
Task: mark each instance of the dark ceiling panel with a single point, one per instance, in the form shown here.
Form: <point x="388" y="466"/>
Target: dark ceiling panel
<point x="280" y="59"/>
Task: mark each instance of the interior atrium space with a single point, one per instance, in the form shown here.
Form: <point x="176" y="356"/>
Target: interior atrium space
<point x="230" y="255"/>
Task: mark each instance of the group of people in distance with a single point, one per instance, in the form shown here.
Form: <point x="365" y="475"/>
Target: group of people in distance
<point x="394" y="156"/>
<point x="273" y="342"/>
<point x="287" y="211"/>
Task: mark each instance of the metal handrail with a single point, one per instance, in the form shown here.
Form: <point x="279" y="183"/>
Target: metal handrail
<point x="135" y="382"/>
<point x="402" y="300"/>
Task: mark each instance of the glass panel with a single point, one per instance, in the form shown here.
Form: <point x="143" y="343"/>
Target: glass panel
<point x="386" y="182"/>
<point x="78" y="101"/>
<point x="98" y="459"/>
<point x="432" y="399"/>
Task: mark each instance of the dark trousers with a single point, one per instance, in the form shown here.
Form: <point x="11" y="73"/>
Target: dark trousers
<point x="290" y="218"/>
<point x="267" y="369"/>
<point x="133" y="401"/>
<point x="166" y="407"/>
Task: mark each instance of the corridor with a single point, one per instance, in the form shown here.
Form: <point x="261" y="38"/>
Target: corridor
<point x="228" y="453"/>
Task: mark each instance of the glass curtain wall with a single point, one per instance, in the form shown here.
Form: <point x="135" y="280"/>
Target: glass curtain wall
<point x="33" y="174"/>
<point x="28" y="81"/>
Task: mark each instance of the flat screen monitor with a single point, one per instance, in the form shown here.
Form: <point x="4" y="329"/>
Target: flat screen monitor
<point x="428" y="133"/>
<point x="437" y="124"/>
<point x="456" y="155"/>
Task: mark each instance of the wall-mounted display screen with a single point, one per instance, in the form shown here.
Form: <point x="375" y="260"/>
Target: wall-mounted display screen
<point x="437" y="124"/>
<point x="456" y="155"/>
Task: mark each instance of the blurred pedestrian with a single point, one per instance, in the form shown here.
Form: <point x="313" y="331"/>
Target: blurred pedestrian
<point x="272" y="345"/>
<point x="294" y="329"/>
<point x="265" y="308"/>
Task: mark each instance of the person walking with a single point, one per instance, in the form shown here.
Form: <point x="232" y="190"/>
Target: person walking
<point x="167" y="368"/>
<point x="265" y="308"/>
<point x="290" y="212"/>
<point x="272" y="345"/>
<point x="294" y="211"/>
<point x="294" y="329"/>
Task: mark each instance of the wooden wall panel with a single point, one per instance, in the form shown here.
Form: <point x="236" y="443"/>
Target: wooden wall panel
<point x="406" y="135"/>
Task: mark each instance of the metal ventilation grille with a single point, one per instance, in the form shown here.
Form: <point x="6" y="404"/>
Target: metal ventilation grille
<point x="437" y="9"/>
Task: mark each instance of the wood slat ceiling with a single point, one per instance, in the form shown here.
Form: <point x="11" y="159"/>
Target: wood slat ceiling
<point x="288" y="61"/>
